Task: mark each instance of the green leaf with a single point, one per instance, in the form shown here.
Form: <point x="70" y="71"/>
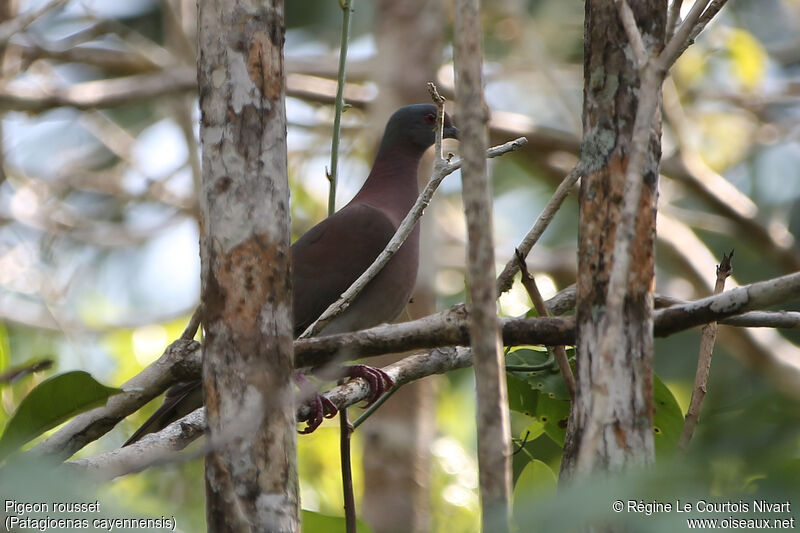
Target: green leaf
<point x="536" y="481"/>
<point x="524" y="452"/>
<point x="553" y="414"/>
<point x="314" y="522"/>
<point x="667" y="419"/>
<point x="521" y="397"/>
<point x="50" y="403"/>
<point x="547" y="381"/>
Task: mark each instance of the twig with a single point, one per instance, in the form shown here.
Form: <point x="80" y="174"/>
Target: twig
<point x="634" y="35"/>
<point x="11" y="27"/>
<point x="704" y="19"/>
<point x="680" y="41"/>
<point x="709" y="336"/>
<point x="506" y="278"/>
<point x="403" y="231"/>
<point x="345" y="429"/>
<point x="339" y="105"/>
<point x="194" y="324"/>
<point x="559" y="352"/>
<point x="673" y="17"/>
<point x="16" y="372"/>
<point x="345" y="432"/>
<point x="374" y="407"/>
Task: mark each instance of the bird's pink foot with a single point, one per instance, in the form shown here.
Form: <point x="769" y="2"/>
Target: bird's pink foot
<point x="321" y="407"/>
<point x="379" y="381"/>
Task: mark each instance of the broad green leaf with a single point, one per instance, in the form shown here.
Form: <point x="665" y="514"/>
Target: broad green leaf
<point x="547" y="380"/>
<point x="314" y="522"/>
<point x="536" y="481"/>
<point x="50" y="403"/>
<point x="667" y="419"/>
<point x="524" y="452"/>
<point x="521" y="397"/>
<point x="553" y="414"/>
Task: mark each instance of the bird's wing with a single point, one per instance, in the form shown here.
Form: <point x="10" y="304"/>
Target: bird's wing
<point x="328" y="258"/>
<point x="179" y="401"/>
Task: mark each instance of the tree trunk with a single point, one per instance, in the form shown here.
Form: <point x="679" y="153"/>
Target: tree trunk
<point x="399" y="436"/>
<point x="251" y="472"/>
<point x="610" y="427"/>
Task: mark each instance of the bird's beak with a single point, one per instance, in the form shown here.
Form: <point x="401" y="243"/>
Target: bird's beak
<point x="450" y="132"/>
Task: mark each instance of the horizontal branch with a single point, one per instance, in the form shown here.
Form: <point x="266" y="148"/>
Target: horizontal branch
<point x="151" y="450"/>
<point x="181" y="361"/>
<point x="735" y="301"/>
<point x="163" y="446"/>
<point x="447" y="328"/>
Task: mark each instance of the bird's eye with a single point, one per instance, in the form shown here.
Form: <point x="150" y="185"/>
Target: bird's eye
<point x="430" y="118"/>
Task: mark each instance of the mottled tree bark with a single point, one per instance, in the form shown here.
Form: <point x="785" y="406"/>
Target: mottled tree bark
<point x="610" y="426"/>
<point x="494" y="432"/>
<point x="251" y="473"/>
<point x="398" y="437"/>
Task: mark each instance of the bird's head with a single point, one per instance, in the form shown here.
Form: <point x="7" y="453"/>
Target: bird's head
<point x="415" y="125"/>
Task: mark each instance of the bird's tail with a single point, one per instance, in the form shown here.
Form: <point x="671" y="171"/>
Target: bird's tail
<point x="179" y="401"/>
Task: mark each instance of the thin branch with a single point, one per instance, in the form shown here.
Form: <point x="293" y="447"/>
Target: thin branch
<point x="735" y="301"/>
<point x="11" y="27"/>
<point x="673" y="17"/>
<point x="153" y="449"/>
<point x="339" y="105"/>
<point x="448" y="328"/>
<point x="634" y="35"/>
<point x="680" y="41"/>
<point x="708" y="14"/>
<point x="17" y="372"/>
<point x="709" y="336"/>
<point x="181" y="361"/>
<point x="345" y="432"/>
<point x="194" y="324"/>
<point x="100" y="93"/>
<point x="559" y="353"/>
<point x="403" y="231"/>
<point x="161" y="447"/>
<point x="506" y="278"/>
<point x="634" y="180"/>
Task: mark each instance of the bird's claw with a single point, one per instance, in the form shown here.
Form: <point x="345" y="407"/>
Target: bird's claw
<point x="379" y="381"/>
<point x="320" y="406"/>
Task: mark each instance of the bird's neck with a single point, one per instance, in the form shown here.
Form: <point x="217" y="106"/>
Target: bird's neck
<point x="392" y="184"/>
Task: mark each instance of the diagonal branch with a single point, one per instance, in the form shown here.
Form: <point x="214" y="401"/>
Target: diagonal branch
<point x="633" y="33"/>
<point x="506" y="277"/>
<point x="403" y="231"/>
